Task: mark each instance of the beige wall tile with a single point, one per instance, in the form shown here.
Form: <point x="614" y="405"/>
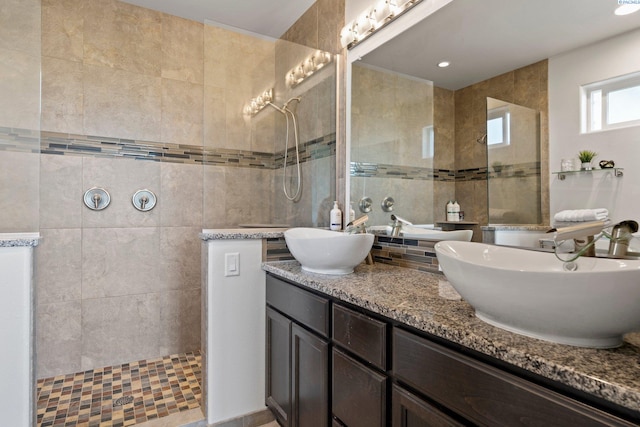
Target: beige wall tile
<point x="20" y="88"/>
<point x="62" y="96"/>
<point x="59" y="266"/>
<point x="182" y="49"/>
<point x="20" y="26"/>
<point x="122" y="104"/>
<point x="61" y="191"/>
<point x="19" y="183"/>
<point x="247" y="196"/>
<point x="120" y="261"/>
<point x="122" y="329"/>
<point x="59" y="339"/>
<point x="121" y="178"/>
<point x="122" y="36"/>
<point x="179" y="262"/>
<point x="182" y="109"/>
<point x="215" y="198"/>
<point x="330" y="22"/>
<point x="179" y="321"/>
<point x="181" y="189"/>
<point x="63" y="29"/>
<point x="215" y="117"/>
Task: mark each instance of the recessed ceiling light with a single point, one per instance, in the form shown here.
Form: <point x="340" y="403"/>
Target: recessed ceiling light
<point x="443" y="64"/>
<point x="626" y="9"/>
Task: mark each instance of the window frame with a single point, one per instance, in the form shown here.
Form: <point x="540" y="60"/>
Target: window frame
<point x="604" y="88"/>
<point x="504" y="113"/>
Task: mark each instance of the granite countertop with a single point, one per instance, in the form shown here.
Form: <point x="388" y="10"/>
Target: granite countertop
<point x="241" y="233"/>
<point x="523" y="227"/>
<point x="427" y="302"/>
<point x="13" y="240"/>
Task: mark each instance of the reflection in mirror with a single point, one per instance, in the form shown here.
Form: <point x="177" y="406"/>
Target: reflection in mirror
<point x="513" y="156"/>
<point x="392" y="144"/>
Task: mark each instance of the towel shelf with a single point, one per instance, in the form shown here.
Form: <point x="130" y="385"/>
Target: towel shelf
<point x="617" y="172"/>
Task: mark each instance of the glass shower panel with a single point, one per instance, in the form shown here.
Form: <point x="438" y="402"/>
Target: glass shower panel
<point x="514" y="178"/>
<point x="245" y="137"/>
<point x="19" y="115"/>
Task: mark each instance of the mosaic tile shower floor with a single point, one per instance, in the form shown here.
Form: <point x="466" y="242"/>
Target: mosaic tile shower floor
<point x="122" y="395"/>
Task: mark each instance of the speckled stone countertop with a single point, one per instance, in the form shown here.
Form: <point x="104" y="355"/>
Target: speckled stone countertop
<point x="241" y="233"/>
<point x="524" y="227"/>
<point x="12" y="240"/>
<point x="427" y="302"/>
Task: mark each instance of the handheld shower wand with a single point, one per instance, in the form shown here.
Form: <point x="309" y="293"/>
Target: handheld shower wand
<point x="286" y="111"/>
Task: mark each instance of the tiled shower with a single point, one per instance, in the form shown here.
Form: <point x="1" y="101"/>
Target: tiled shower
<point x="135" y="99"/>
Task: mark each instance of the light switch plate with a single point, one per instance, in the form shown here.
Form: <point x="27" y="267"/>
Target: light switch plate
<point x="232" y="264"/>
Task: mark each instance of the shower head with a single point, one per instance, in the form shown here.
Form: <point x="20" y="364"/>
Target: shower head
<point x="286" y="104"/>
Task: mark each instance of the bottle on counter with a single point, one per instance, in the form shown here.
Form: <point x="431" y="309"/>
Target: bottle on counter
<point x="450" y="211"/>
<point x="335" y="217"/>
<point x="456" y="211"/>
<point x="352" y="213"/>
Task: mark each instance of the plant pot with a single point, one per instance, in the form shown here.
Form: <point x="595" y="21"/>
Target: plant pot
<point x="585" y="166"/>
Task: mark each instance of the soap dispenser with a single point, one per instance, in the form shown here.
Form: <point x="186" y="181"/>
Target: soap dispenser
<point x="335" y="217"/>
<point x="456" y="211"/>
<point x="450" y="211"/>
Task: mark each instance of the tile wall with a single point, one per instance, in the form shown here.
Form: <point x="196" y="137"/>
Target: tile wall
<point x="525" y="86"/>
<point x="133" y="99"/>
<point x="20" y="109"/>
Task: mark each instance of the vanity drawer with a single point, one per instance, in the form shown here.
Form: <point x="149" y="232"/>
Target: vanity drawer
<point x="306" y="308"/>
<point x="359" y="397"/>
<point x="482" y="393"/>
<point x="361" y="335"/>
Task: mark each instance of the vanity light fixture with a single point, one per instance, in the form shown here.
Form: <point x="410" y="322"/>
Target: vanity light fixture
<point x="306" y="68"/>
<point x="443" y="64"/>
<point x="258" y="103"/>
<point x="372" y="19"/>
<point x="627" y="8"/>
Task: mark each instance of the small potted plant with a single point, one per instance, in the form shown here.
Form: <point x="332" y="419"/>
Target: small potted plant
<point x="586" y="156"/>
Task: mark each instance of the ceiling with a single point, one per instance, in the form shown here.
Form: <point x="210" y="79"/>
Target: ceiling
<point x="269" y="18"/>
<point x="483" y="39"/>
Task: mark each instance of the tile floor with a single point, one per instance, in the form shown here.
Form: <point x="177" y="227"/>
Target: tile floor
<point x="123" y="395"/>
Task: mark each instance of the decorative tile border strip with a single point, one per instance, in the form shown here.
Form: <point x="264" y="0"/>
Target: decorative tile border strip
<point x="55" y="143"/>
<point x="276" y="250"/>
<point x="379" y="170"/>
<point x="408" y="253"/>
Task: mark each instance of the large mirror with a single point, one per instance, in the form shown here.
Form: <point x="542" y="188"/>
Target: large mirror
<point x="499" y="54"/>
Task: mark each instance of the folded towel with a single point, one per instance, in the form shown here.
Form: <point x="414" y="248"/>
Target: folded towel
<point x="581" y="215"/>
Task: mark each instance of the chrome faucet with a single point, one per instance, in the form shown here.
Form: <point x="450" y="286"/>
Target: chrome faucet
<point x="621" y="235"/>
<point x="585" y="236"/>
<point x="398" y="222"/>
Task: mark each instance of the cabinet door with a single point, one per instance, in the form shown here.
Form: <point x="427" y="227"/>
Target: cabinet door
<point x="410" y="411"/>
<point x="359" y="393"/>
<point x="310" y="376"/>
<point x="278" y="380"/>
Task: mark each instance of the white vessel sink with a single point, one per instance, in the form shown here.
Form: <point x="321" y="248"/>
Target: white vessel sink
<point x="530" y="293"/>
<point x="327" y="252"/>
<point x="426" y="233"/>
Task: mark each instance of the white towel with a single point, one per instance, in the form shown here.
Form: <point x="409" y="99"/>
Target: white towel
<point x="581" y="215"/>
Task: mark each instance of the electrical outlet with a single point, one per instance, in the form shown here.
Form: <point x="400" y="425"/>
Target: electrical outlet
<point x="232" y="264"/>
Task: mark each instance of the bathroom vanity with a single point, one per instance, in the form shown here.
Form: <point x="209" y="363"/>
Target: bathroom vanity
<point x="389" y="346"/>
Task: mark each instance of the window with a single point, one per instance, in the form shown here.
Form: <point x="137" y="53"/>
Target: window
<point x="611" y="103"/>
<point x="427" y="142"/>
<point x="498" y="127"/>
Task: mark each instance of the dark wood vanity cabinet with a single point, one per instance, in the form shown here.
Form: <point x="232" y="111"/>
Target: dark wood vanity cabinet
<point x="333" y="365"/>
<point x="297" y="359"/>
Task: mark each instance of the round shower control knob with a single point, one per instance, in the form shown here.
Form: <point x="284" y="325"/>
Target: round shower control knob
<point x="144" y="200"/>
<point x="96" y="198"/>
